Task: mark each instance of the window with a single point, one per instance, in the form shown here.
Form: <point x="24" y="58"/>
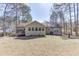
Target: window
<point x="36" y="29"/>
<point x="40" y="29"/>
<point x="29" y="29"/>
<point x="32" y="29"/>
<point x="56" y="31"/>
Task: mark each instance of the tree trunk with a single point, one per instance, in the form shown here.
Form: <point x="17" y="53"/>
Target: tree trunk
<point x="70" y="20"/>
<point x="16" y="16"/>
<point x="77" y="21"/>
<point x="66" y="28"/>
<point x="4" y="27"/>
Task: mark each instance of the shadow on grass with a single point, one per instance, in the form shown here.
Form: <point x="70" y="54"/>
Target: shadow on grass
<point x="65" y="37"/>
<point x="28" y="37"/>
<point x="74" y="37"/>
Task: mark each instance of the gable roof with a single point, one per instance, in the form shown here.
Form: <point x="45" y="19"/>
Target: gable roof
<point x="53" y="25"/>
<point x="34" y="22"/>
<point x="29" y="23"/>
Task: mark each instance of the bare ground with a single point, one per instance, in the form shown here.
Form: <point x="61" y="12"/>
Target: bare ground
<point x="44" y="46"/>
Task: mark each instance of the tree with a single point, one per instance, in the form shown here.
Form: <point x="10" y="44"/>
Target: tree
<point x="13" y="13"/>
<point x="4" y="28"/>
<point x="70" y="19"/>
<point x="29" y="17"/>
<point x="57" y="13"/>
<point x="62" y="21"/>
<point x="53" y="18"/>
<point x="25" y="12"/>
<point x="77" y="22"/>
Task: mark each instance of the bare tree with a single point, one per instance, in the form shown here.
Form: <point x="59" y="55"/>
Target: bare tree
<point x="4" y="28"/>
<point x="15" y="11"/>
<point x="77" y="21"/>
<point x="70" y="19"/>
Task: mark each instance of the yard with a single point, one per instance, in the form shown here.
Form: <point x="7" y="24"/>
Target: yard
<point x="45" y="46"/>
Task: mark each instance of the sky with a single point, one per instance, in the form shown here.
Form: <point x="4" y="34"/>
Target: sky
<point x="40" y="11"/>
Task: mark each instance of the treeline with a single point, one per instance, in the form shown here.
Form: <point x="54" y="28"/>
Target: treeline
<point x="13" y="14"/>
<point x="68" y="16"/>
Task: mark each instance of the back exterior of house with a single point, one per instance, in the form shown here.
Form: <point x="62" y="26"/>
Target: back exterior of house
<point x="35" y="28"/>
<point x="54" y="29"/>
<point x="31" y="29"/>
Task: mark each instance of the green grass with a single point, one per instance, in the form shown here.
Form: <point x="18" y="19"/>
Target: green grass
<point x="49" y="45"/>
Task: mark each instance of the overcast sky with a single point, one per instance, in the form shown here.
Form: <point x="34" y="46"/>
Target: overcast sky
<point x="40" y="11"/>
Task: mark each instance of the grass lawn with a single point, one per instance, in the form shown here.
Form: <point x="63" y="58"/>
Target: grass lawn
<point x="49" y="45"/>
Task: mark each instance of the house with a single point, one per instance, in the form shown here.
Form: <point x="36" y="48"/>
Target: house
<point x="55" y="29"/>
<point x="31" y="29"/>
<point x="20" y="30"/>
<point x="35" y="28"/>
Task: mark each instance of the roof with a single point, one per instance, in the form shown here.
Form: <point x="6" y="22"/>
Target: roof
<point x="54" y="25"/>
<point x="26" y="24"/>
<point x="34" y="22"/>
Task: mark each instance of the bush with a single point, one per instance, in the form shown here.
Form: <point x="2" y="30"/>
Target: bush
<point x="1" y="34"/>
<point x="12" y="35"/>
